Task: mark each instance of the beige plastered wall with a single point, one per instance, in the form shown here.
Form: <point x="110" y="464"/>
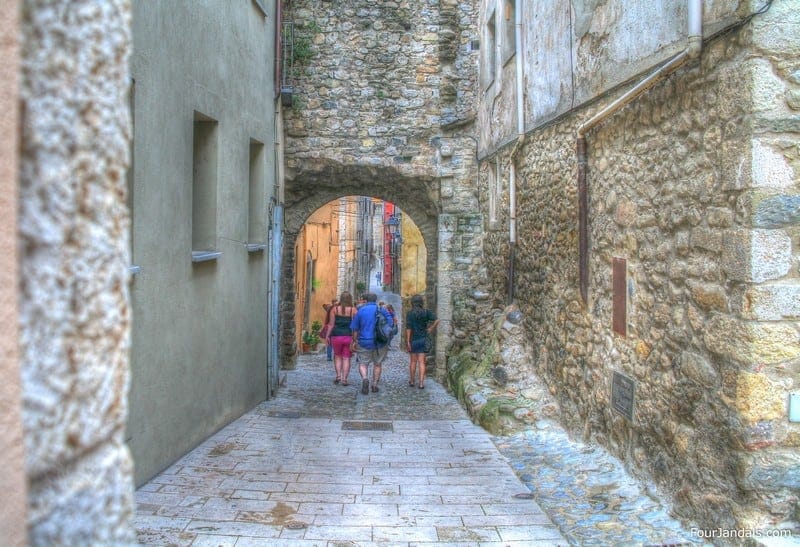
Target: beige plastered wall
<point x="210" y="365"/>
<point x="12" y="472"/>
<point x="318" y="238"/>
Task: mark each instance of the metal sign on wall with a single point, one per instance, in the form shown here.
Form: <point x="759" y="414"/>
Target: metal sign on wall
<point x="622" y="394"/>
<point x="620" y="301"/>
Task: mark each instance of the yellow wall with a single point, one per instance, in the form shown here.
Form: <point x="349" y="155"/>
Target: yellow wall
<point x="317" y="237"/>
<point x="413" y="260"/>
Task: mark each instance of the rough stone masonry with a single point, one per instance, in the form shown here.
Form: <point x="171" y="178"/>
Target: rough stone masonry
<point x="693" y="192"/>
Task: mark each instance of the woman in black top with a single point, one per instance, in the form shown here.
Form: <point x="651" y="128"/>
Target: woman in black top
<point x="340" y="336"/>
<point x="420" y="322"/>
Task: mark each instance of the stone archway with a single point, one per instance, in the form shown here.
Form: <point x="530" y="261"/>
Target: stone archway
<point x="381" y="104"/>
<point x="306" y="192"/>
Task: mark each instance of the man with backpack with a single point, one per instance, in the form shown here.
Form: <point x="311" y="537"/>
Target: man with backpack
<point x="371" y="327"/>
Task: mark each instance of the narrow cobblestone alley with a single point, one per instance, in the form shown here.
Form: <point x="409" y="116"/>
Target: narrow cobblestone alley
<point x="306" y="468"/>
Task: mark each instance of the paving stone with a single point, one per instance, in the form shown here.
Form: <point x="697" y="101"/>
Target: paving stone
<point x="434" y="478"/>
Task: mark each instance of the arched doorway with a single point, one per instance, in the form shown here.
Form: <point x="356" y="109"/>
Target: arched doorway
<point x="310" y="191"/>
<point x="354" y="244"/>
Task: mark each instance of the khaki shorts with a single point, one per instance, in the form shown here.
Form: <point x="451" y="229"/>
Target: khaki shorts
<point x="366" y="356"/>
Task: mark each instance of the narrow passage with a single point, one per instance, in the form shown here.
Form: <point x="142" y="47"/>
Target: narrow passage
<point x="322" y="464"/>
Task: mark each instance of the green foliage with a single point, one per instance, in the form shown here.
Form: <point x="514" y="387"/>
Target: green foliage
<point x="311" y="336"/>
<point x="297" y="103"/>
<point x="302" y="49"/>
<point x="495" y="413"/>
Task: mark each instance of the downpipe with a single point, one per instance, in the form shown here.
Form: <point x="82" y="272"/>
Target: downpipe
<point x="512" y="174"/>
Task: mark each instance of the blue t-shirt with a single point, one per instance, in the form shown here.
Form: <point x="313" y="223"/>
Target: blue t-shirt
<point x="364" y="322"/>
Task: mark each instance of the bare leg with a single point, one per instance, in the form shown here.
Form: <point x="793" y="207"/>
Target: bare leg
<point x="345" y="369"/>
<point x="412" y="368"/>
<point x="337" y="365"/>
<point x="376" y="375"/>
<point x="363" y="370"/>
<point x="421" y="357"/>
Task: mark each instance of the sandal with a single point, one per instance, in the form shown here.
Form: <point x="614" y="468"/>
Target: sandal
<point x="411" y="384"/>
<point x="336" y="381"/>
<point x="422" y="387"/>
<point x="345" y="383"/>
<point x="375" y="389"/>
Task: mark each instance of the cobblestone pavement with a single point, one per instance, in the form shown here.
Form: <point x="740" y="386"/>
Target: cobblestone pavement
<point x="287" y="474"/>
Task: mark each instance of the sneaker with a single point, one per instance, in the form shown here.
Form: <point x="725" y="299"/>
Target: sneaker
<point x="365" y="386"/>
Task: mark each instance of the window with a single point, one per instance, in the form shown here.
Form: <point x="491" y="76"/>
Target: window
<point x="256" y="213"/>
<point x="509" y="30"/>
<point x="204" y="188"/>
<point x="494" y="181"/>
<point x="489" y="54"/>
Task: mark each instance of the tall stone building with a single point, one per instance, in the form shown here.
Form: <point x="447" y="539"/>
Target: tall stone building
<point x="381" y="95"/>
<point x="639" y="176"/>
<point x="626" y="173"/>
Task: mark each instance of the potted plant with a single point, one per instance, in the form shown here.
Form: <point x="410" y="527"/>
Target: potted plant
<point x="311" y="338"/>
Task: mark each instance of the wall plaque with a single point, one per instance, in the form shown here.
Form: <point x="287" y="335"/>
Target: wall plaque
<point x="622" y="394"/>
<point x="620" y="301"/>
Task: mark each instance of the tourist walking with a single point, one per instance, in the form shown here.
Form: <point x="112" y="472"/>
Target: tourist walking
<point x="340" y="336"/>
<point x="363" y="341"/>
<point x="420" y="324"/>
<point x="326" y="329"/>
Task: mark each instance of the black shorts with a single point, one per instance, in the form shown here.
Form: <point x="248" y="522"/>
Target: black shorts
<point x="418" y="345"/>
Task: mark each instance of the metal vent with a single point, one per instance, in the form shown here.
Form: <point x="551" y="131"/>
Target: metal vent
<point x="283" y="414"/>
<point x="366" y="426"/>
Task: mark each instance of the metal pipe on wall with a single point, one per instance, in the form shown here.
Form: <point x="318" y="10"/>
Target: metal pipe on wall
<point x="512" y="175"/>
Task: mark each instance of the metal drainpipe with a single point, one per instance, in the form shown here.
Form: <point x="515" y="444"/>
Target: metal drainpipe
<point x="692" y="51"/>
<point x="512" y="175"/>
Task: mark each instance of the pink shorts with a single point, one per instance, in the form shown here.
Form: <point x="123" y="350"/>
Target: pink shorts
<point x="341" y="346"/>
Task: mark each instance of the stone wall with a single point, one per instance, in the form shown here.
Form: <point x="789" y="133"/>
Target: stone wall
<point x="379" y="109"/>
<point x="695" y="186"/>
<point x="13" y="480"/>
<point x="74" y="315"/>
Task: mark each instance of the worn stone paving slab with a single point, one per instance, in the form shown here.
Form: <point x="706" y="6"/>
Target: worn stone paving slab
<point x="290" y="473"/>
